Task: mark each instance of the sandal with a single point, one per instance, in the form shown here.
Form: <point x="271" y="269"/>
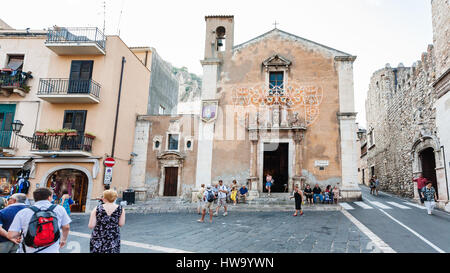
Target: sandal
<point x="200" y="221"/>
<point x="294" y="215"/>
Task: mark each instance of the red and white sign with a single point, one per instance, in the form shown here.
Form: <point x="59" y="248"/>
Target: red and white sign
<point x="109" y="162"/>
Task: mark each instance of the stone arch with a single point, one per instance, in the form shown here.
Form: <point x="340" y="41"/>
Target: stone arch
<point x="418" y="147"/>
<point x="88" y="174"/>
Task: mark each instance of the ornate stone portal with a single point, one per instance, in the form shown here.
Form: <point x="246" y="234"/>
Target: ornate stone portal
<point x="170" y="159"/>
<point x="261" y="131"/>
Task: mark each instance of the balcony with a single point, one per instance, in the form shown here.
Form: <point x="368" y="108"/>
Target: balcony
<point x="14" y="84"/>
<point x="76" y="41"/>
<point x="69" y="91"/>
<point x="8" y="142"/>
<point x="61" y="145"/>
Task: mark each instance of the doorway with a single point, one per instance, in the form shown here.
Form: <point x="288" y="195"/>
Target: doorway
<point x="171" y="181"/>
<point x="75" y="182"/>
<point x="429" y="166"/>
<point x="276" y="163"/>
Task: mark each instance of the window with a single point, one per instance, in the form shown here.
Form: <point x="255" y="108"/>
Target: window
<point x="75" y="119"/>
<point x="161" y="110"/>
<point x="15" y="62"/>
<point x="276" y="80"/>
<point x="6" y="118"/>
<point x="80" y="76"/>
<point x="173" y="142"/>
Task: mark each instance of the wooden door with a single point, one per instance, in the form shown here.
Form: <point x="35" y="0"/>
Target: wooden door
<point x="171" y="181"/>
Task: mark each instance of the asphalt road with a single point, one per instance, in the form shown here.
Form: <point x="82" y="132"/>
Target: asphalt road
<point x="406" y="230"/>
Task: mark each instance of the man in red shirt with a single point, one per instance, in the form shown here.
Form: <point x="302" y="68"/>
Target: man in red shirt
<point x="421" y="182"/>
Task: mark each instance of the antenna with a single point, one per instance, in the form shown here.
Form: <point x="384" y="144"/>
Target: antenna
<point x="120" y="17"/>
<point x="104" y="17"/>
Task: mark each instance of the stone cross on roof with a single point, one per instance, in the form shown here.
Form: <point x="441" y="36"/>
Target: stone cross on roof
<point x="275" y="24"/>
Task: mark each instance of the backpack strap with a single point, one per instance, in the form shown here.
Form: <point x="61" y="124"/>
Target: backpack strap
<point x="51" y="208"/>
<point x="34" y="209"/>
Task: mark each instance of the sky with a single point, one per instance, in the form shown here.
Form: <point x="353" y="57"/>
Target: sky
<point x="376" y="31"/>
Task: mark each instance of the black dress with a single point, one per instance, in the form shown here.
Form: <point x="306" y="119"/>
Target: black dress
<point x="105" y="237"/>
<point x="298" y="201"/>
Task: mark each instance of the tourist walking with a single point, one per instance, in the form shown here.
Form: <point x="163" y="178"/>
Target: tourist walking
<point x="106" y="221"/>
<point x="421" y="183"/>
<point x="200" y="193"/>
<point x="221" y="198"/>
<point x="377" y="184"/>
<point x="16" y="203"/>
<point x="298" y="195"/>
<point x="430" y="197"/>
<point x="308" y="194"/>
<point x="372" y="185"/>
<point x="269" y="183"/>
<point x="66" y="201"/>
<point x="207" y="201"/>
<point x="45" y="215"/>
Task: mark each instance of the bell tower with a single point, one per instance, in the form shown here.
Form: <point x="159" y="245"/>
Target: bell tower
<point x="219" y="36"/>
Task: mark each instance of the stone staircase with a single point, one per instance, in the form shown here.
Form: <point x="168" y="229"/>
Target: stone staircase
<point x="275" y="202"/>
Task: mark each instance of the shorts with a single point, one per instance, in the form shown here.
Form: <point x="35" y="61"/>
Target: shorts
<point x="221" y="202"/>
<point x="208" y="205"/>
<point x="268" y="184"/>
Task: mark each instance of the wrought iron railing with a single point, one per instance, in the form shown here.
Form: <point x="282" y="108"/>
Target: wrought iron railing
<point x="76" y="35"/>
<point x="61" y="143"/>
<point x="68" y="86"/>
<point x="17" y="81"/>
<point x="8" y="140"/>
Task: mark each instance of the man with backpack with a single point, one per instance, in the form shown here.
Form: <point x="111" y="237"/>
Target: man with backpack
<point x="40" y="225"/>
<point x="208" y="201"/>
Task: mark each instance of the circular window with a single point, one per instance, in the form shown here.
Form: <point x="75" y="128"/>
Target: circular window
<point x="157" y="144"/>
<point x="189" y="144"/>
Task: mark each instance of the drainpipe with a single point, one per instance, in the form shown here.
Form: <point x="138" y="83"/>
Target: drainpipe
<point x="445" y="169"/>
<point x="117" y="108"/>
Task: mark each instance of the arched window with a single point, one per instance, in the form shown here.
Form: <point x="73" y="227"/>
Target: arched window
<point x="220" y="39"/>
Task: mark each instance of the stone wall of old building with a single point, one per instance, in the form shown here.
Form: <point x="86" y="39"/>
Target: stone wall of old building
<point x="399" y="109"/>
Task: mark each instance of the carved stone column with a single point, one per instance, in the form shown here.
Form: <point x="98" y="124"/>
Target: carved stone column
<point x="254" y="190"/>
<point x="297" y="179"/>
<point x="284" y="113"/>
<point x="276" y="116"/>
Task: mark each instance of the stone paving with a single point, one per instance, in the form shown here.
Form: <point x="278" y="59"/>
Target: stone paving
<point x="241" y="232"/>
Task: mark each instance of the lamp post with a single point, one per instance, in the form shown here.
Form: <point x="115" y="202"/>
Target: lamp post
<point x="17" y="127"/>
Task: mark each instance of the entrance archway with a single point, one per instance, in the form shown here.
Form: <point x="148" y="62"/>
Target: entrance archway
<point x="75" y="182"/>
<point x="276" y="164"/>
<point x="428" y="164"/>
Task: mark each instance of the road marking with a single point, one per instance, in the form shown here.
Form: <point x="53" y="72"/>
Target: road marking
<point x="363" y="205"/>
<point x="134" y="244"/>
<point x="398" y="205"/>
<point x="381" y="205"/>
<point x="385" y="248"/>
<point x="345" y="206"/>
<point x="415" y="205"/>
<point x="413" y="232"/>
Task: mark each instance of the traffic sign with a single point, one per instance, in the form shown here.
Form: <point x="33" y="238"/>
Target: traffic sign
<point x="109" y="162"/>
<point x="108" y="176"/>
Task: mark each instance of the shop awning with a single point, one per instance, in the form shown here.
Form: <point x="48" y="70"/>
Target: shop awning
<point x="12" y="163"/>
<point x="15" y="63"/>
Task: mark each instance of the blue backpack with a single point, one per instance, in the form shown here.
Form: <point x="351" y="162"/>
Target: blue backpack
<point x="210" y="196"/>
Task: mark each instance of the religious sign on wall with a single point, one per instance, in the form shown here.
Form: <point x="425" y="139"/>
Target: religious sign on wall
<point x="209" y="110"/>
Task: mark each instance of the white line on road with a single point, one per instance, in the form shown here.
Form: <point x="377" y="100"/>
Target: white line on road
<point x="385" y="248"/>
<point x="345" y="206"/>
<point x="398" y="205"/>
<point x="415" y="205"/>
<point x="413" y="232"/>
<point x="134" y="244"/>
<point x="363" y="205"/>
<point x="381" y="205"/>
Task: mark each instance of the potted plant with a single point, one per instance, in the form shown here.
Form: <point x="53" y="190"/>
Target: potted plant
<point x="39" y="133"/>
<point x="50" y="132"/>
<point x="71" y="132"/>
<point x="60" y="132"/>
<point x="89" y="135"/>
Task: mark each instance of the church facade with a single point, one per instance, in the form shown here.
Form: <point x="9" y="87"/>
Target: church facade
<point x="278" y="104"/>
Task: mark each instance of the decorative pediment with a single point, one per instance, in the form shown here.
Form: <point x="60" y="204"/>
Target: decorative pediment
<point x="171" y="155"/>
<point x="276" y="61"/>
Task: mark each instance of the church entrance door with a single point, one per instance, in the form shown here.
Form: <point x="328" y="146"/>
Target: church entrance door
<point x="276" y="163"/>
<point x="170" y="185"/>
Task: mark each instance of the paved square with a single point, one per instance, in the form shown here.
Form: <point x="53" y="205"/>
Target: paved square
<point x="241" y="232"/>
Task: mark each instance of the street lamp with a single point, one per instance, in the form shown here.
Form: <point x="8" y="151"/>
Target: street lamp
<point x="17" y="126"/>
